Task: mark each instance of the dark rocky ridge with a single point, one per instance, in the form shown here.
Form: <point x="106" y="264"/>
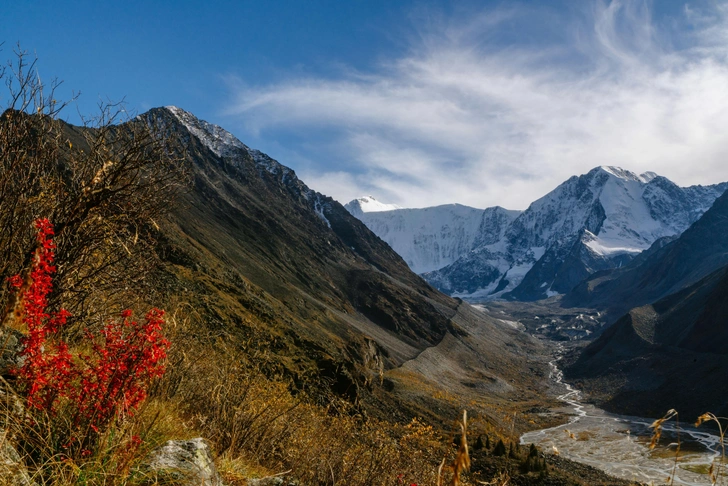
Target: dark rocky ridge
<point x="261" y="256"/>
<point x="666" y="348"/>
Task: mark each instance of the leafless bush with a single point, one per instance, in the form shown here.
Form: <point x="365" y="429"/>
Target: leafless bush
<point x="103" y="186"/>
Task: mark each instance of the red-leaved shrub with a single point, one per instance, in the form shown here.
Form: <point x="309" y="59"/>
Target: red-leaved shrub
<point x="95" y="388"/>
<point x="47" y="368"/>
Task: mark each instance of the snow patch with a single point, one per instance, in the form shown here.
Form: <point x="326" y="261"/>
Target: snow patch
<point x="368" y="204"/>
<point x="319" y="209"/>
<point x="514" y="324"/>
<point x="216" y="138"/>
<point x="608" y="247"/>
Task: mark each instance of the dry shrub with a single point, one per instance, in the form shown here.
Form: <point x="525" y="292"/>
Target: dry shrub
<point x="103" y="187"/>
<point x="462" y="458"/>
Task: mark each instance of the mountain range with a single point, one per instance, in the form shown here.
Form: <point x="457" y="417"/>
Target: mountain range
<point x="593" y="222"/>
<point x="267" y="258"/>
<point x="432" y="238"/>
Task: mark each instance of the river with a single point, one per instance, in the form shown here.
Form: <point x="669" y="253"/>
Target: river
<point x="619" y="444"/>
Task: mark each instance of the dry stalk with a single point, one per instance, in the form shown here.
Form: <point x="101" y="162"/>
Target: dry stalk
<point x="657" y="433"/>
<point x="462" y="458"/>
<point x="714" y="472"/>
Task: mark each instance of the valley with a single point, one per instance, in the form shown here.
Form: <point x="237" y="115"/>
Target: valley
<point x="329" y="292"/>
<point x="617" y="444"/>
<point x="631" y="311"/>
<point x="345" y="306"/>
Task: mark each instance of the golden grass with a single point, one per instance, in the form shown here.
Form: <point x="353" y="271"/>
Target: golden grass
<point x="258" y="425"/>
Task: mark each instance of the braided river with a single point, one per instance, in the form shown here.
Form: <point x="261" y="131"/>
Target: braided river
<point x="619" y="444"/>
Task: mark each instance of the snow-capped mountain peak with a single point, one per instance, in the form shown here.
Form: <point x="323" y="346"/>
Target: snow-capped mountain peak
<point x="624" y="174"/>
<point x="431" y="238"/>
<point x="368" y="204"/>
<point x="225" y="144"/>
<point x="236" y="154"/>
<point x="216" y="138"/>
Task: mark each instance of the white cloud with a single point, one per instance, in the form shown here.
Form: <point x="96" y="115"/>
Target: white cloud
<point x="464" y="118"/>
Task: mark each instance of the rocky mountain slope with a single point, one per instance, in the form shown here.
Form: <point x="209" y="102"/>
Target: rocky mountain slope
<point x="670" y="354"/>
<point x="669" y="266"/>
<point x="596" y="221"/>
<point x="262" y="257"/>
<point x="670" y="306"/>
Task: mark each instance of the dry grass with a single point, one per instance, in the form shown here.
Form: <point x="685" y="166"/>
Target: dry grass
<point x="258" y="425"/>
<point x="246" y="414"/>
<point x="716" y="469"/>
<point x="113" y="461"/>
<point x="657" y="433"/>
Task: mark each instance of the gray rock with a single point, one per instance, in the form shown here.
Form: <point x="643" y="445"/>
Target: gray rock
<point x="274" y="481"/>
<point x="186" y="462"/>
<point x="10" y="347"/>
<point x="12" y="469"/>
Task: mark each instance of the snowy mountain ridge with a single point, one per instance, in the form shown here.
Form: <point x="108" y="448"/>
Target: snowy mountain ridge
<point x="591" y="222"/>
<point x="431" y="238"/>
<point x="225" y="145"/>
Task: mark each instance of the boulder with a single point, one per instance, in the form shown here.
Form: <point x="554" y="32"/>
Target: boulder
<point x="186" y="462"/>
<point x="12" y="469"/>
<point x="273" y="481"/>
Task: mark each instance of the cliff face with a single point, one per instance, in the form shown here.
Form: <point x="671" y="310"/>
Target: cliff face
<point x="668" y="267"/>
<point x="432" y="238"/>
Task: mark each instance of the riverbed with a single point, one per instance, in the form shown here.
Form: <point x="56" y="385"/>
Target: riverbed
<point x="619" y="445"/>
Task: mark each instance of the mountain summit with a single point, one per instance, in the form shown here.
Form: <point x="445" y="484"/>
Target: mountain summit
<point x="367" y="204"/>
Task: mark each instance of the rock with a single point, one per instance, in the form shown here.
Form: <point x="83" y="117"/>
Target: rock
<point x="274" y="481"/>
<point x="12" y="469"/>
<point x="10" y="347"/>
<point x="186" y="462"/>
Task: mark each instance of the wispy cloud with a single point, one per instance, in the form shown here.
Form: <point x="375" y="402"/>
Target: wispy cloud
<point x="471" y="115"/>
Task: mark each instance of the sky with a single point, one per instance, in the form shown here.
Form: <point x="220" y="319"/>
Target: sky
<point x="417" y="103"/>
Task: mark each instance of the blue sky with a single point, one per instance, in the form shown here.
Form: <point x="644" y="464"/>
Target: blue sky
<point x="417" y="103"/>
